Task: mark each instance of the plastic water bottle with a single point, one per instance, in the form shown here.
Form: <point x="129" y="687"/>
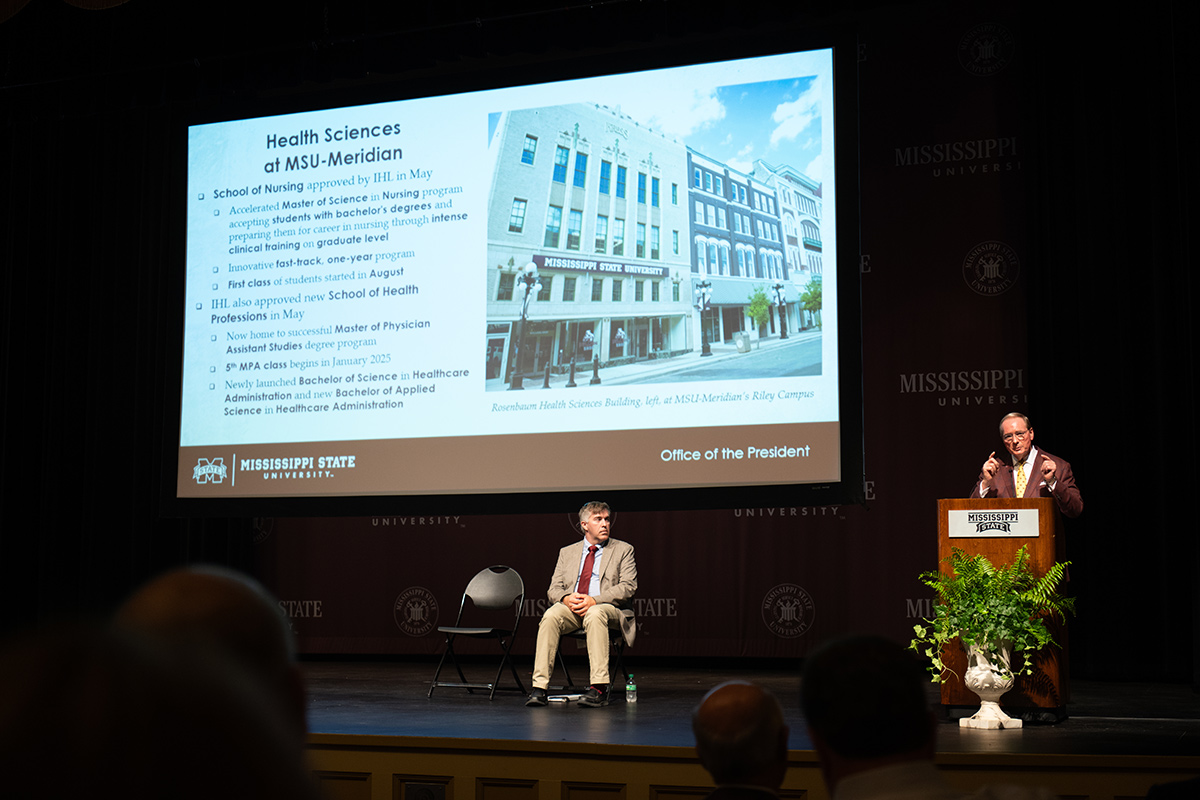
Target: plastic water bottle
<point x="631" y="690"/>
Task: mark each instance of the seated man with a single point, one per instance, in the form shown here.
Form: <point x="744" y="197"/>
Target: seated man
<point x="863" y="698"/>
<point x="741" y="741"/>
<point x="864" y="701"/>
<point x="593" y="583"/>
<point x="219" y="608"/>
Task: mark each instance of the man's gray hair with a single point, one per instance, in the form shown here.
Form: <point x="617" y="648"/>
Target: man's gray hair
<point x="594" y="507"/>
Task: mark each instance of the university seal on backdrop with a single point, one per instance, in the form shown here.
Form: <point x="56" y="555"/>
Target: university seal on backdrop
<point x="788" y="610"/>
<point x="991" y="268"/>
<point x="986" y="49"/>
<point x="263" y="528"/>
<point x="416" y="611"/>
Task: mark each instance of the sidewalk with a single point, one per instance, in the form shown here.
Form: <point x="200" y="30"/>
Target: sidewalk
<point x="645" y="371"/>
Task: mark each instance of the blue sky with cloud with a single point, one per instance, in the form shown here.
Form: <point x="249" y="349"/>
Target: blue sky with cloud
<point x="777" y="121"/>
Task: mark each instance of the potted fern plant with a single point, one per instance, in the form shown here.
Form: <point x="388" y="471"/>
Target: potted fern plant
<point x="999" y="614"/>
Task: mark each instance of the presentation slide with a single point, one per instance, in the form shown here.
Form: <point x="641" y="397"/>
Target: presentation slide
<point x="619" y="282"/>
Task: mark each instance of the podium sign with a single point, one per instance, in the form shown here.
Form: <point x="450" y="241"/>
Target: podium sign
<point x="976" y="523"/>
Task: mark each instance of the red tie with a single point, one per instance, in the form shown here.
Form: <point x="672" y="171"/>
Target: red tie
<point x="585" y="577"/>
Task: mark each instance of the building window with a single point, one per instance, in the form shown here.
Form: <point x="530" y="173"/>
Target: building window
<point x="674" y="194"/>
<point x="553" y="226"/>
<point x="574" y="229"/>
<point x="620" y="181"/>
<point x="507" y="279"/>
<point x="654" y="192"/>
<point x="710" y="216"/>
<point x="641" y="189"/>
<point x="601" y="234"/>
<point x="580" y="169"/>
<point x="654" y="291"/>
<point x="675" y="242"/>
<point x="569" y="289"/>
<point x="721" y="218"/>
<point x="675" y="292"/>
<point x="654" y="242"/>
<point x="516" y="216"/>
<point x="530" y="149"/>
<point x="605" y="176"/>
<point x="618" y="237"/>
<point x="712" y="259"/>
<point x="718" y="187"/>
<point x="699" y="212"/>
<point x="723" y="262"/>
<point x="708" y="181"/>
<point x="560" y="164"/>
<point x="696" y="178"/>
<point x="597" y="289"/>
<point x="641" y="240"/>
<point x="812" y="235"/>
<point x="546" y="281"/>
<point x="616" y="292"/>
<point x="639" y="291"/>
<point x="700" y="256"/>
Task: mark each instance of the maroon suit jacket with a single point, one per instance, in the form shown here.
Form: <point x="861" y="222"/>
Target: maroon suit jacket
<point x="1065" y="494"/>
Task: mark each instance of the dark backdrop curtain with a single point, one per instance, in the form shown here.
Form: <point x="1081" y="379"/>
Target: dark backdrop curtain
<point x="1112" y="340"/>
<point x="87" y="209"/>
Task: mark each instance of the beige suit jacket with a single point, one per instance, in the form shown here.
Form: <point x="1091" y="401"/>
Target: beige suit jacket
<point x="618" y="579"/>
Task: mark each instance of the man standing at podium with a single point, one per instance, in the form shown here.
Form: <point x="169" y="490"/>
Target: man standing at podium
<point x="1030" y="472"/>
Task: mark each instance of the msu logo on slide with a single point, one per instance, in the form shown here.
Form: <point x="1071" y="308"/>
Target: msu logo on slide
<point x="207" y="471"/>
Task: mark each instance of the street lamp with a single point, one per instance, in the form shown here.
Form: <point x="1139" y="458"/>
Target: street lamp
<point x="528" y="280"/>
<point x="704" y="303"/>
<point x="781" y="301"/>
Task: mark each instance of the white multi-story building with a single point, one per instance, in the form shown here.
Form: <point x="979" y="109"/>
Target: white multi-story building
<point x="800" y="210"/>
<point x="598" y="203"/>
<point x="737" y="242"/>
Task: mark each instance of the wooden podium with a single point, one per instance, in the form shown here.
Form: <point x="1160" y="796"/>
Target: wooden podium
<point x="1047" y="687"/>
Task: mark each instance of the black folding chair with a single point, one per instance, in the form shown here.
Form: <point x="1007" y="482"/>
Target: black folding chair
<point x="494" y="589"/>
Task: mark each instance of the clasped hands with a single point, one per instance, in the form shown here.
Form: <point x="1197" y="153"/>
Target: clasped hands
<point x="578" y="603"/>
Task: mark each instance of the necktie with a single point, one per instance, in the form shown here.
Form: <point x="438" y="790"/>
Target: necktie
<point x="1019" y="477"/>
<point x="585" y="577"/>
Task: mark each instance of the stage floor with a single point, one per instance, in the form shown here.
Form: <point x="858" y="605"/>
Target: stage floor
<point x="389" y="699"/>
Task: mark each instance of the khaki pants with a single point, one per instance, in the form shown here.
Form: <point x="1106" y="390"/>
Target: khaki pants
<point x="558" y="620"/>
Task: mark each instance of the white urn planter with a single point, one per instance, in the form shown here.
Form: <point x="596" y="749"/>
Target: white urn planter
<point x="989" y="675"/>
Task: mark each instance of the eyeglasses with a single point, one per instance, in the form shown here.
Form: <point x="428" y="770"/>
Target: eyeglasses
<point x="1008" y="437"/>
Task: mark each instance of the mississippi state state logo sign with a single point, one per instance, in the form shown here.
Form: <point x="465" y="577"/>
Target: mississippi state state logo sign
<point x="209" y="471"/>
